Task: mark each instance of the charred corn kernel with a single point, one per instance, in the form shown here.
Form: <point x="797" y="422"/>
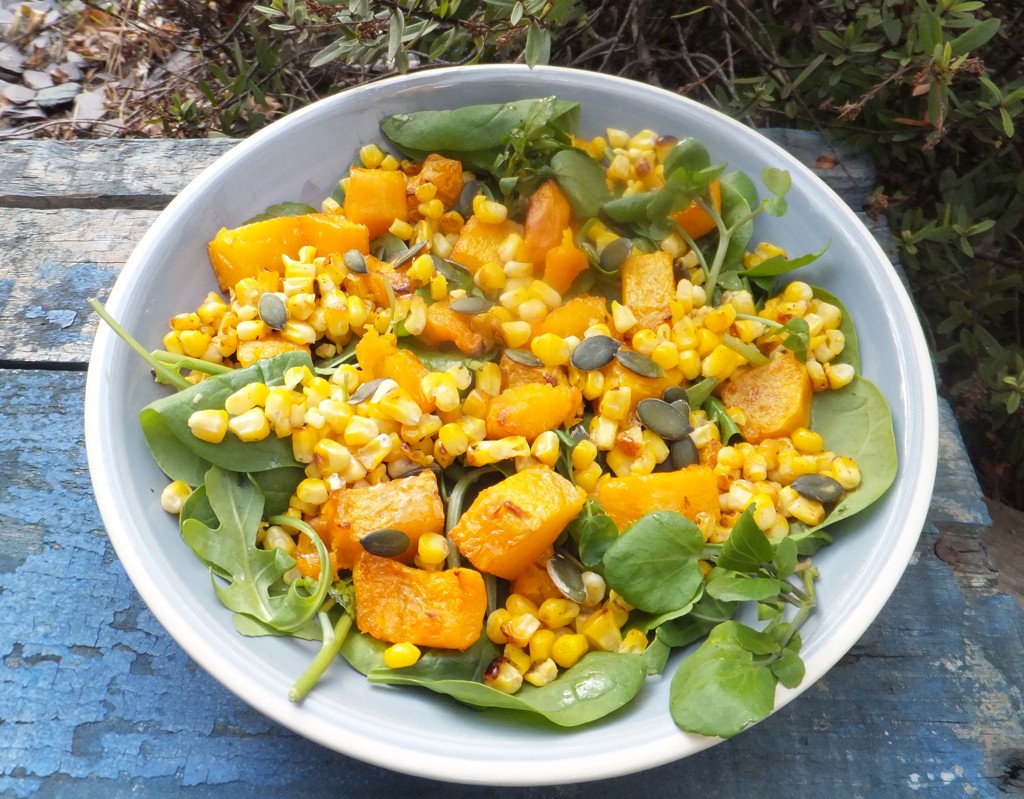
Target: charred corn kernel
<point x="615" y="403"/>
<point x="602" y="632"/>
<point x="371" y="156"/>
<point x="583" y="454"/>
<point x="401" y="655"/>
<point x="194" y="342"/>
<point x="312" y="491"/>
<point x="603" y="431"/>
<point x="502" y="675"/>
<point x="210" y="424"/>
<point x="174" y="495"/>
<point x="634" y="642"/>
<point x="519" y="628"/>
<point x="720" y="319"/>
<point x="839" y="375"/>
<point x="516" y="333"/>
<point x="331" y="457"/>
<point x="541" y="672"/>
<point x="623" y="317"/>
<point x="555" y="612"/>
<point x="551" y="349"/>
<point x="845" y="471"/>
<point x="373" y="453"/>
<point x="251" y="425"/>
<point x="587" y="478"/>
<point x="492" y="628"/>
<point x="764" y="512"/>
<point x="595" y="587"/>
<point x="484" y="453"/>
<point x="568" y="649"/>
<point x="488" y="211"/>
<point x="540" y="645"/>
<point x="360" y="431"/>
<point x="277" y="537"/>
<point x="807" y="441"/>
<point x="721" y="363"/>
<point x="546" y="448"/>
<point x="666" y="355"/>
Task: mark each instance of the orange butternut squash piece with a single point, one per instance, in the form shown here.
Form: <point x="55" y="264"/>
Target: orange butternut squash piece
<point x="307" y="559"/>
<point x="512" y="523"/>
<point x="410" y="504"/>
<point x="548" y="215"/>
<point x="249" y="352"/>
<point x="531" y="408"/>
<point x="775" y="398"/>
<point x="648" y="287"/>
<point x="694" y="219"/>
<point x="398" y="604"/>
<point x="444" y="173"/>
<point x="446" y="326"/>
<point x="574" y="316"/>
<point x="692" y="492"/>
<point x="616" y="375"/>
<point x="244" y="251"/>
<point x="478" y="242"/>
<point x="380" y="356"/>
<point x="514" y="373"/>
<point x="536" y="584"/>
<point x="564" y="263"/>
<point x="375" y="198"/>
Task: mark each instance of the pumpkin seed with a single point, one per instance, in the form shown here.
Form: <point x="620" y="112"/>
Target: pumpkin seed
<point x="470" y="305"/>
<point x="683" y="453"/>
<point x="639" y="364"/>
<point x="385" y="543"/>
<point x="465" y="205"/>
<point x="524" y="357"/>
<point x="615" y="253"/>
<point x="567" y="578"/>
<point x="594" y="352"/>
<point x="273" y="311"/>
<point x="355" y="262"/>
<point x="674" y="393"/>
<point x="365" y="391"/>
<point x="663" y="418"/>
<point x="818" y="486"/>
<point x="407" y="254"/>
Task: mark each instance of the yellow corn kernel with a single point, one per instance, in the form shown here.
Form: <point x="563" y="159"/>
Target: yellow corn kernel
<point x="546" y="448"/>
<point x="593" y="385"/>
<point x="174" y="495"/>
<point x="304" y="440"/>
<point x="490" y="278"/>
<point x="601" y="630"/>
<point x="360" y="431"/>
<point x="251" y="425"/>
<point x="552" y="349"/>
<point x="707" y="341"/>
<point x="838" y="375"/>
<point x="721" y="363"/>
<point x="808" y="511"/>
<point x="186" y="321"/>
<point x="276" y="537"/>
<point x="797" y="291"/>
<point x="517" y="603"/>
<point x="518" y="655"/>
<point x="502" y="675"/>
<point x="568" y="649"/>
<point x="595" y="587"/>
<point x="720" y="319"/>
<point x="541" y="672"/>
<point x="194" y="342"/>
<point x="331" y="457"/>
<point x="807" y="441"/>
<point x="764" y="513"/>
<point x="540" y="645"/>
<point x="488" y="379"/>
<point x="644" y="341"/>
<point x="666" y="355"/>
<point x="492" y="628"/>
<point x="476" y="404"/>
<point x="312" y="491"/>
<point x="373" y="453"/>
<point x="401" y="655"/>
<point x="209" y="425"/>
<point x="555" y="612"/>
<point x="545" y="293"/>
<point x="488" y="211"/>
<point x="615" y="403"/>
<point x="603" y="432"/>
<point x="475" y="428"/>
<point x="298" y="332"/>
<point x="172" y="343"/>
<point x="371" y="156"/>
<point x="486" y="452"/>
<point x="532" y="310"/>
<point x="248" y="396"/>
<point x="432" y="548"/>
<point x="623" y="318"/>
<point x="583" y="454"/>
<point x="516" y="333"/>
<point x="587" y="478"/>
<point x="845" y="471"/>
<point x="634" y="642"/>
<point x="453" y="438"/>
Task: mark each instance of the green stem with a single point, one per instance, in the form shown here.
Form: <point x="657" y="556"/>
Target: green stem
<point x="179" y="362"/>
<point x="333" y="638"/>
<point x="159" y="369"/>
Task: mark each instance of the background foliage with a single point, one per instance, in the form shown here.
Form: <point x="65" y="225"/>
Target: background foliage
<point x="932" y="89"/>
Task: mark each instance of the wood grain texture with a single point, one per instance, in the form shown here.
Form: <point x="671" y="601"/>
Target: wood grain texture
<point x="99" y="701"/>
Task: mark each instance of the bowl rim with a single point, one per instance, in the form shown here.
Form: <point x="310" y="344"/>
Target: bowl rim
<point x="579" y="767"/>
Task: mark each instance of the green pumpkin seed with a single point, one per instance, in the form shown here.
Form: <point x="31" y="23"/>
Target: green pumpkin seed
<point x="471" y="305"/>
<point x="399" y="258"/>
<point x="673" y="394"/>
<point x="355" y="262"/>
<point x="820" y="487"/>
<point x="663" y="418"/>
<point x="683" y="453"/>
<point x="366" y="390"/>
<point x="614" y="255"/>
<point x="385" y="543"/>
<point x="639" y="364"/>
<point x="465" y="205"/>
<point x="273" y="311"/>
<point x="524" y="357"/>
<point x="594" y="352"/>
<point x="567" y="578"/>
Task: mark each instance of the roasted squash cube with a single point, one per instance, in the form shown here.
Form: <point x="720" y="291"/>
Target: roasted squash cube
<point x="775" y="398"/>
<point x="692" y="492"/>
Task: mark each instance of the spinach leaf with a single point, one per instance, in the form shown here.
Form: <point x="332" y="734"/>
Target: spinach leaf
<point x="254" y="576"/>
<point x="282" y="209"/>
<point x="583" y="181"/>
<point x="654" y="563"/>
<point x="599" y="684"/>
<point x="170" y="440"/>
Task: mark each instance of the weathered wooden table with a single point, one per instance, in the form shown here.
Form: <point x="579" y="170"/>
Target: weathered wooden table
<point x="97" y="700"/>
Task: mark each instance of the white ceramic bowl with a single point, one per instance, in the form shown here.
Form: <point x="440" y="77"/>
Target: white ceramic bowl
<point x="300" y="158"/>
